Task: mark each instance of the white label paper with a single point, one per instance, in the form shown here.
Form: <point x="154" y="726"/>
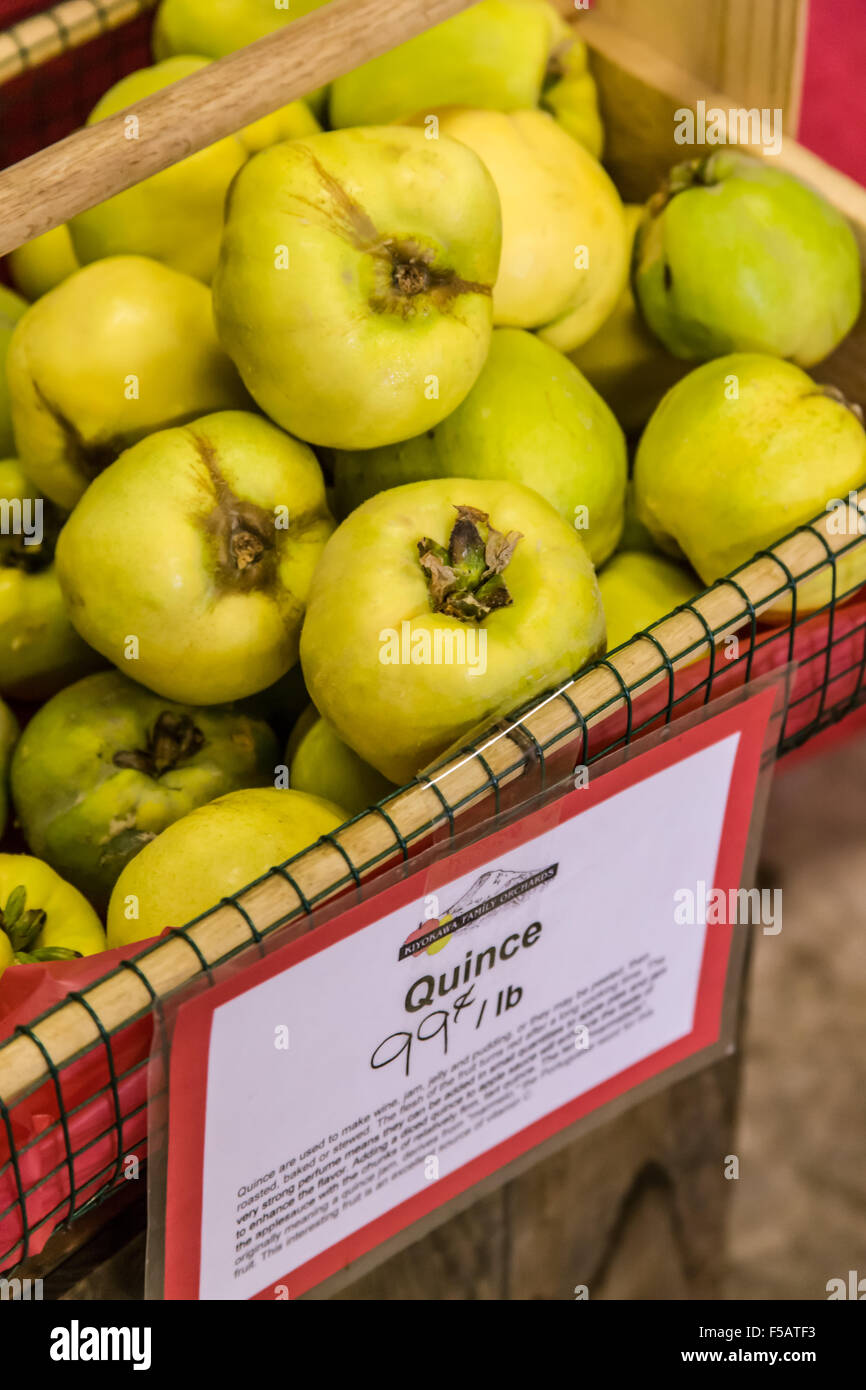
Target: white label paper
<point x="313" y="1128"/>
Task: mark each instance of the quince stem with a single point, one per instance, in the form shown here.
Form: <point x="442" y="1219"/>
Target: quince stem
<point x="21" y="927"/>
<point x="465" y="580"/>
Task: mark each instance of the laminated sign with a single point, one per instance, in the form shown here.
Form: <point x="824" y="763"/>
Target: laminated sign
<point x="323" y="1097"/>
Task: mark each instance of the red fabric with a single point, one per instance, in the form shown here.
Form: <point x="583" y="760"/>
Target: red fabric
<point x="13" y="11"/>
<point x="88" y="1101"/>
<point x="834" y="98"/>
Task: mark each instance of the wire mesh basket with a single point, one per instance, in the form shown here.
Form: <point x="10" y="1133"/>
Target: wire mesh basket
<point x="73" y="1081"/>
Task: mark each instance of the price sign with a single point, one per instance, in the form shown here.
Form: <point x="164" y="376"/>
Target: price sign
<point x="331" y="1093"/>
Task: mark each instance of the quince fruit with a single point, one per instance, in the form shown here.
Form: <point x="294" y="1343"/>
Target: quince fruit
<point x="188" y="561"/>
<point x="354" y="285"/>
<point x="12" y="307"/>
<point x="570" y="92"/>
<point x="120" y="349"/>
<point x="565" y="240"/>
<point x="105" y="766"/>
<point x="42" y="918"/>
<point x="213" y="852"/>
<point x="494" y="55"/>
<point x="735" y="255"/>
<point x="40" y="651"/>
<point x="440" y="606"/>
<point x="41" y="264"/>
<point x="740" y="452"/>
<point x="321" y="763"/>
<point x="638" y="589"/>
<point x="530" y="418"/>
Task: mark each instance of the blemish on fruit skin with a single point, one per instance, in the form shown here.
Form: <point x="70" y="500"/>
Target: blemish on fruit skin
<point x="117" y="825"/>
<point x="405" y="270"/>
<point x="243" y="535"/>
<point x="88" y="459"/>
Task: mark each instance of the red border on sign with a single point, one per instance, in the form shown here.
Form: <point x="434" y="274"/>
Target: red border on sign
<point x="191" y="1038"/>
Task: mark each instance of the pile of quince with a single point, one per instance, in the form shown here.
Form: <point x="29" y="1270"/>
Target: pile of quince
<point x="322" y="435"/>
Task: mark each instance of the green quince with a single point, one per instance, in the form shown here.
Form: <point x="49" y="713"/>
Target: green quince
<point x="440" y="606"/>
<point x="105" y="766"/>
<point x="320" y="762"/>
<point x="175" y="216"/>
<point x="120" y="349"/>
<point x="41" y="264"/>
<point x="188" y="562"/>
<point x="740" y="452"/>
<point x="12" y="307"/>
<point x="40" y="651"/>
<point x="42" y="918"/>
<point x="211" y="853"/>
<point x="570" y="93"/>
<point x="565" y="244"/>
<point x="494" y="55"/>
<point x="219" y="27"/>
<point x="530" y="418"/>
<point x="735" y="255"/>
<point x="354" y="285"/>
<point x="638" y="589"/>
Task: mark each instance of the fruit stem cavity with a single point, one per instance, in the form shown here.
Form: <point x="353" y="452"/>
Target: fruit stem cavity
<point x="174" y="739"/>
<point x="465" y="579"/>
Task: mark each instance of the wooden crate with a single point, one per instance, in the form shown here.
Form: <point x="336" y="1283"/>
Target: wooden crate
<point x="635" y="1206"/>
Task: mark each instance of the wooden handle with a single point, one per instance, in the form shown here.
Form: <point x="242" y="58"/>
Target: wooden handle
<point x="462" y="783"/>
<point x="95" y="163"/>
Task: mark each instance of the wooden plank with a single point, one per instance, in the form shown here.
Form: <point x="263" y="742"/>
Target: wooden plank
<point x="754" y="51"/>
<point x="465" y="1259"/>
<point x="99" y="161"/>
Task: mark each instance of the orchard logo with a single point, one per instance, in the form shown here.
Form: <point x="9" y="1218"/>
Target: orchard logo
<point x="491" y="891"/>
<point x="444" y="646"/>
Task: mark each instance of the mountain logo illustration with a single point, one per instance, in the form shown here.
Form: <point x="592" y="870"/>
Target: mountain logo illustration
<point x="493" y="890"/>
